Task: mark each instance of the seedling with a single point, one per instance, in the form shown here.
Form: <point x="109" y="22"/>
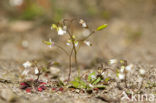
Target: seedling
<point x="32" y="84"/>
<point x="92" y="81"/>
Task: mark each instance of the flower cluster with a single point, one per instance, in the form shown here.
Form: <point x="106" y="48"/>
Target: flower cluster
<point x="29" y="66"/>
<point x="121" y="67"/>
<point x="60" y="30"/>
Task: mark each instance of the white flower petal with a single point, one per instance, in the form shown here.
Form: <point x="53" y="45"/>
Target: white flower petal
<point x="129" y="67"/>
<point x="142" y="71"/>
<point x="68" y="44"/>
<point x="76" y="44"/>
<point x="113" y="61"/>
<point x="87" y="43"/>
<point x="50" y="46"/>
<point x="121" y="76"/>
<point x="36" y="70"/>
<point x="84" y="25"/>
<point x="61" y="31"/>
<point x="122" y="69"/>
<point x="103" y="73"/>
<point x="27" y="64"/>
<point x="90" y="85"/>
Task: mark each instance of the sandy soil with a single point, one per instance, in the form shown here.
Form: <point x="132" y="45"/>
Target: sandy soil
<point x="130" y="36"/>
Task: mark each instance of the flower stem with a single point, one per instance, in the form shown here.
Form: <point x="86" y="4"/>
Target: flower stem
<point x="70" y="64"/>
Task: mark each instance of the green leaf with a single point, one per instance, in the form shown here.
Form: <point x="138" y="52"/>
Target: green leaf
<point x="60" y="83"/>
<point x="44" y="69"/>
<point x="54" y="26"/>
<point x="78" y="83"/>
<point x="97" y="81"/>
<point x="102" y="27"/>
<point x="47" y="42"/>
<point x="107" y="79"/>
<point x="75" y="84"/>
<point x="90" y="79"/>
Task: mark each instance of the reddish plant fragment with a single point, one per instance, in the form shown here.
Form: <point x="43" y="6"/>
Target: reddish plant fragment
<point x="42" y="83"/>
<point x="28" y="90"/>
<point x="53" y="89"/>
<point x="24" y="85"/>
<point x="96" y="89"/>
<point x="40" y="89"/>
<point x="60" y="89"/>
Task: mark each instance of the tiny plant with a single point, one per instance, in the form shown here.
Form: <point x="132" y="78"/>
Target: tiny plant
<point x="32" y="84"/>
<point x="93" y="80"/>
<point x="64" y="27"/>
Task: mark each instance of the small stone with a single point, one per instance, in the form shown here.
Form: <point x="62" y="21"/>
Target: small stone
<point x="8" y="95"/>
<point x="54" y="70"/>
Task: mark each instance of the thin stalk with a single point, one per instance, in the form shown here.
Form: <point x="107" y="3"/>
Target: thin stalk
<point x="73" y="48"/>
<point x="75" y="56"/>
<point x="75" y="51"/>
<point x="38" y="75"/>
<point x="62" y="49"/>
<point x="70" y="64"/>
<point x="125" y="79"/>
<point x="88" y="36"/>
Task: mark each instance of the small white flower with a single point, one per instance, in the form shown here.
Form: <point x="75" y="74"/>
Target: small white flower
<point x="27" y="64"/>
<point x="83" y="23"/>
<point x="142" y="71"/>
<point x="93" y="77"/>
<point x="113" y="61"/>
<point x="129" y="67"/>
<point x="87" y="43"/>
<point x="121" y="76"/>
<point x="52" y="43"/>
<point x="90" y="85"/>
<point x="103" y="73"/>
<point x="61" y="31"/>
<point x="76" y="43"/>
<point x="122" y="69"/>
<point x="68" y="44"/>
<point x="36" y="70"/>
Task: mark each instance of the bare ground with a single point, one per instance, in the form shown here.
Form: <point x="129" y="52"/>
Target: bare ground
<point x="24" y="43"/>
